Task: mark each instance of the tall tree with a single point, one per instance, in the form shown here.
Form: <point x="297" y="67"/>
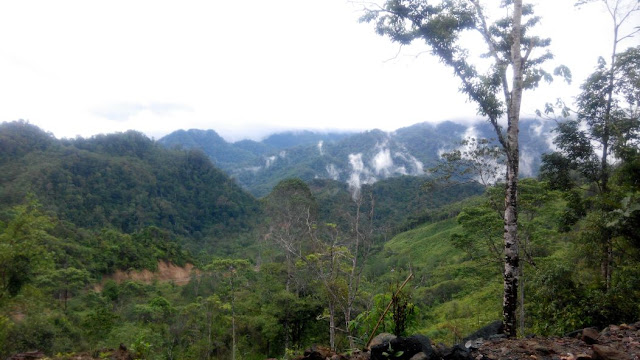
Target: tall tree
<point x="23" y="248"/>
<point x="232" y="271"/>
<point x="607" y="122"/>
<point x="599" y="103"/>
<point x="497" y="95"/>
<point x="334" y="256"/>
<point x="292" y="210"/>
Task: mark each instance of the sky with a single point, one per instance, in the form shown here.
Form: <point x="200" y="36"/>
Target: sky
<point x="246" y="68"/>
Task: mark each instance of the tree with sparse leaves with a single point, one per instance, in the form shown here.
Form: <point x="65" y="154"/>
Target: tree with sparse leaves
<point x="605" y="130"/>
<point x="510" y="45"/>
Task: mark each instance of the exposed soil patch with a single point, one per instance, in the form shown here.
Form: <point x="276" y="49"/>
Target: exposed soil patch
<point x="166" y="272"/>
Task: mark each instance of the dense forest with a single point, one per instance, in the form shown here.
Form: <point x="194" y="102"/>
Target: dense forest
<point x="194" y="248"/>
<point x="74" y="212"/>
<point x="264" y="282"/>
<point x="364" y="157"/>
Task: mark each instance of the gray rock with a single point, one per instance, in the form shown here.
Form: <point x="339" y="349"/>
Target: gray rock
<point x="602" y="352"/>
<point x="419" y="356"/>
<point x="457" y="352"/>
<point x="590" y="336"/>
<point x="403" y="348"/>
<point x="494" y="328"/>
<point x="382" y="338"/>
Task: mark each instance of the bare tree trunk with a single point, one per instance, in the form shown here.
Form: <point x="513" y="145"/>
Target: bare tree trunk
<point x="607" y="260"/>
<point x="209" y="333"/>
<point x="347" y="320"/>
<point x="233" y="328"/>
<point x="332" y="326"/>
<point x="354" y="275"/>
<point x="66" y="297"/>
<point x="233" y="318"/>
<point x="512" y="260"/>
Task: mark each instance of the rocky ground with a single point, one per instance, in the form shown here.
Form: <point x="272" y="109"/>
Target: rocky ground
<point x="616" y="342"/>
<point x="612" y="343"/>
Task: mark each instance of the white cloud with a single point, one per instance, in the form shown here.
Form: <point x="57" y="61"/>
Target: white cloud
<point x="333" y="172"/>
<point x="232" y="67"/>
<point x="537" y="128"/>
<point x="269" y="161"/>
<point x="126" y="111"/>
<point x="253" y="169"/>
<point x="382" y="162"/>
<point x="359" y="175"/>
<point x="417" y="165"/>
<point x="526" y="163"/>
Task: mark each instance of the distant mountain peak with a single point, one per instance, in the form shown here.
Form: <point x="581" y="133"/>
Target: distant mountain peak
<point x="352" y="158"/>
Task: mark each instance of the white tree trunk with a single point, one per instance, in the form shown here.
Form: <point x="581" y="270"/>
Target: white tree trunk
<point x="332" y="326"/>
<point x="511" y="260"/>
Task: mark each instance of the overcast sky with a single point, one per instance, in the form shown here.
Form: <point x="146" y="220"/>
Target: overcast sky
<point x="243" y="68"/>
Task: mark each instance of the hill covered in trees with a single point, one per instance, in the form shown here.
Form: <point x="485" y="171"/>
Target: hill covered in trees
<point x="274" y="275"/>
<point x="125" y="181"/>
<point x="352" y="158"/>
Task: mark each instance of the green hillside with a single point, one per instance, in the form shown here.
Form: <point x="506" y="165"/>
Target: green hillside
<point x="457" y="266"/>
<point x="364" y="157"/>
<point x="125" y="181"/>
<point x="456" y="295"/>
<point x="85" y="222"/>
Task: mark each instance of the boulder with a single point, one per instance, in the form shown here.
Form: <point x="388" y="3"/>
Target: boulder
<point x="317" y="353"/>
<point x="403" y="348"/>
<point x="486" y="332"/>
<point x="474" y="344"/>
<point x="382" y="338"/>
<point x="590" y="336"/>
<point x="419" y="356"/>
<point x="602" y="352"/>
<point x="457" y="352"/>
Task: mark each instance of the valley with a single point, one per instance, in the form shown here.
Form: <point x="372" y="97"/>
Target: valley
<point x="120" y="239"/>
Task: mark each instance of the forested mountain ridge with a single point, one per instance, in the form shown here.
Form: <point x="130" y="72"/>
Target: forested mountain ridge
<point x="125" y="181"/>
<point x="352" y="158"/>
<point x="229" y="156"/>
<point x="264" y="279"/>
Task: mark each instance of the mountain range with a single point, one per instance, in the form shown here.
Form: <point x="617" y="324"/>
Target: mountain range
<point x="352" y="158"/>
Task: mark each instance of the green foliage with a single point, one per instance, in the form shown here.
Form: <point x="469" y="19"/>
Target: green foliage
<point x="36" y="333"/>
<point x="562" y="301"/>
<point x="52" y="255"/>
<point x="24" y="242"/>
<point x="124" y="181"/>
<point x="478" y="161"/>
<point x="555" y="306"/>
<point x="441" y="27"/>
<point x="5" y="329"/>
<point x="65" y="282"/>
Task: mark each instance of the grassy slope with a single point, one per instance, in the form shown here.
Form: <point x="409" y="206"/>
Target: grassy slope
<point x="456" y="295"/>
